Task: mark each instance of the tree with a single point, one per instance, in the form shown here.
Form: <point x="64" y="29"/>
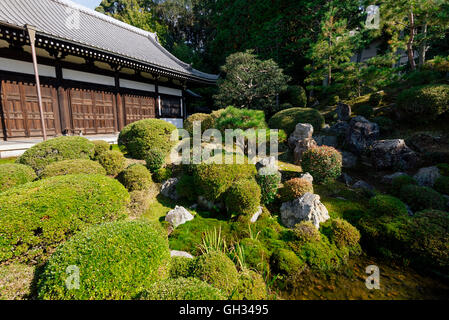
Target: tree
<point x="250" y="83"/>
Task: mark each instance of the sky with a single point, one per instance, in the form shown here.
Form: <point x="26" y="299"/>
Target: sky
<point x="88" y="3"/>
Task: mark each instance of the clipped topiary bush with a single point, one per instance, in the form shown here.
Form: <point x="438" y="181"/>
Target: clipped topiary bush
<point x="139" y="137"/>
<point x="155" y="159"/>
<point x="136" y="178"/>
<point x="79" y="166"/>
<point x="289" y="118"/>
<point x="162" y="174"/>
<point x="243" y="197"/>
<point x="181" y="289"/>
<point x="181" y="267"/>
<point x="115" y="261"/>
<point x="286" y="262"/>
<point x="422" y="198"/>
<point x="387" y="205"/>
<point x="251" y="286"/>
<point x="399" y="182"/>
<point x="269" y="186"/>
<point x="207" y="122"/>
<point x="101" y="147"/>
<point x="295" y="188"/>
<point x="14" y="174"/>
<point x="186" y="188"/>
<point x="424" y="103"/>
<point x="442" y="185"/>
<point x="218" y="270"/>
<point x="343" y="234"/>
<point x="214" y="180"/>
<point x="63" y="148"/>
<point x="113" y="162"/>
<point x="323" y="163"/>
<point x="36" y="217"/>
<point x="256" y="256"/>
<point x="306" y="232"/>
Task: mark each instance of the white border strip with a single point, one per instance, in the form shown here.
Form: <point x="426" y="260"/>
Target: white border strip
<point x="26" y="67"/>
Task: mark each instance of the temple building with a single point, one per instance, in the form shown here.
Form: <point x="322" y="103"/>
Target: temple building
<point x="97" y="74"/>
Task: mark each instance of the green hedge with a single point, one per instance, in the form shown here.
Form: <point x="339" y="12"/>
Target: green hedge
<point x="181" y="267"/>
<point x="13" y="174"/>
<point x="288" y="119"/>
<point x="285" y="262"/>
<point x="387" y="205"/>
<point x="139" y="137"/>
<point x="182" y="289"/>
<point x="116" y="261"/>
<point x="37" y="216"/>
<point x="243" y="197"/>
<point x="155" y="159"/>
<point x="343" y="234"/>
<point x="207" y="122"/>
<point x="113" y="162"/>
<point x="323" y="163"/>
<point x="162" y="174"/>
<point x="136" y="178"/>
<point x="63" y="148"/>
<point x="79" y="166"/>
<point x="422" y="198"/>
<point x="424" y="103"/>
<point x="101" y="147"/>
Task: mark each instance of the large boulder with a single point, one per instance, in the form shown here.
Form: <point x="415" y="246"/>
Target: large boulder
<point x="343" y="111"/>
<point x="361" y="134"/>
<point x="301" y="147"/>
<point x="330" y="141"/>
<point x="388" y="154"/>
<point x="178" y="216"/>
<point x="302" y="131"/>
<point x="427" y="176"/>
<point x="340" y="129"/>
<point x="306" y="208"/>
<point x="267" y="166"/>
<point x="168" y="189"/>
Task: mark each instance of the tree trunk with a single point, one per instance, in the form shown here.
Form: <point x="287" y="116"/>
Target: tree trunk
<point x="410" y="53"/>
<point x="423" y="48"/>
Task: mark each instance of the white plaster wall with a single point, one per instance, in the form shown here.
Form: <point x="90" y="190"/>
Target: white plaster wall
<point x="74" y="75"/>
<point x="26" y="67"/>
<point x="124" y="83"/>
<point x="170" y="91"/>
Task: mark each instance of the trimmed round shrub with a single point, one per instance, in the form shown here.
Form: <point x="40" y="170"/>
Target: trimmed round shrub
<point x="251" y="286"/>
<point x="214" y="180"/>
<point x="422" y="198"/>
<point x="116" y="261"/>
<point x="136" y="178"/>
<point x="65" y="167"/>
<point x="295" y="188"/>
<point x="181" y="289"/>
<point x="286" y="262"/>
<point x="387" y="205"/>
<point x="444" y="169"/>
<point x="295" y="96"/>
<point x="14" y="174"/>
<point x="141" y="136"/>
<point x="306" y="232"/>
<point x="101" y="147"/>
<point x="181" y="267"/>
<point x="442" y="185"/>
<point x="186" y="188"/>
<point x="207" y="122"/>
<point x="323" y="163"/>
<point x="113" y="162"/>
<point x="343" y="234"/>
<point x="424" y="103"/>
<point x="62" y="148"/>
<point x="256" y="256"/>
<point x="289" y="118"/>
<point x="269" y="186"/>
<point x="399" y="182"/>
<point x="243" y="197"/>
<point x="37" y="216"/>
<point x="218" y="270"/>
<point x="155" y="159"/>
<point x="322" y="255"/>
<point x="162" y="174"/>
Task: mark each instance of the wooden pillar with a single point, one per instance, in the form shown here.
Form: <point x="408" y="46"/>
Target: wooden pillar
<point x="63" y="101"/>
<point x="120" y="114"/>
<point x="158" y="99"/>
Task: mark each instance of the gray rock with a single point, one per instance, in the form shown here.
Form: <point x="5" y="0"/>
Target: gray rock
<point x="302" y="131"/>
<point x="256" y="216"/>
<point x="363" y="185"/>
<point x="168" y="189"/>
<point x="340" y="129"/>
<point x="427" y="176"/>
<point x="307" y="176"/>
<point x="346" y="179"/>
<point x="409" y="210"/>
<point x="331" y="141"/>
<point x="349" y="159"/>
<point x="178" y="216"/>
<point x="267" y="166"/>
<point x="301" y="147"/>
<point x="306" y="208"/>
<point x="343" y="111"/>
<point x="182" y="254"/>
<point x="361" y="134"/>
<point x="388" y="179"/>
<point x="387" y="154"/>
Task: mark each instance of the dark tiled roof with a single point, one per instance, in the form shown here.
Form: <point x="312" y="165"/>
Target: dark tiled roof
<point x="99" y="31"/>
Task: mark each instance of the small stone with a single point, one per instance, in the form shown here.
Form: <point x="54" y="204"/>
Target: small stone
<point x="182" y="254"/>
<point x="267" y="166"/>
<point x="363" y="185"/>
<point x="256" y="216"/>
<point x="306" y="208"/>
<point x="178" y="216"/>
<point x="427" y="176"/>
